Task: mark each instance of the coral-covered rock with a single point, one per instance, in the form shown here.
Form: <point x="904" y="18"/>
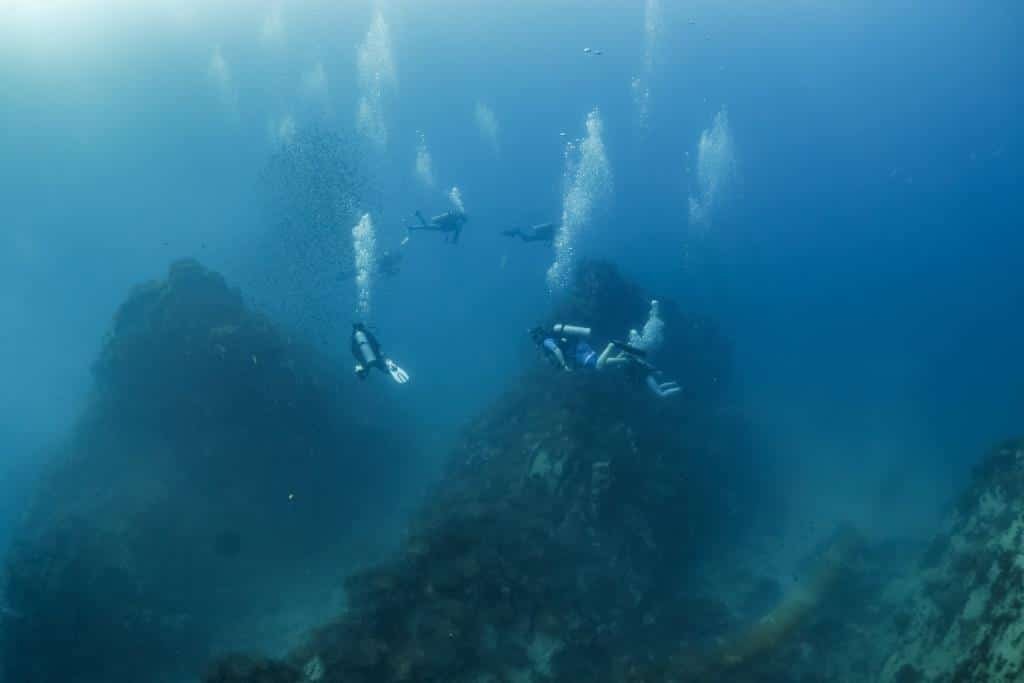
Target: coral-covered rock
<point x="905" y="613"/>
<point x="965" y="621"/>
<point x="569" y="515"/>
<point x="216" y="463"/>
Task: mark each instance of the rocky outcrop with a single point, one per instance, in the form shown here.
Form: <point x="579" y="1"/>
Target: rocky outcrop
<point x="951" y="611"/>
<point x="833" y="624"/>
<point x="965" y="619"/>
<point x="556" y="546"/>
<point x="216" y="463"/>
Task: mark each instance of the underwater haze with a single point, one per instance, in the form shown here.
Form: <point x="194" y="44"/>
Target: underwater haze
<point x="835" y="183"/>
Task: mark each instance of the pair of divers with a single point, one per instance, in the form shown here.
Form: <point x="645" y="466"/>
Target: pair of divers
<point x="566" y="347"/>
<point x="450" y="224"/>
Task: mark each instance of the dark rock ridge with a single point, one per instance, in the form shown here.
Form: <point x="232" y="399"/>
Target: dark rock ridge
<point x="557" y="544"/>
<point x="216" y="463"/>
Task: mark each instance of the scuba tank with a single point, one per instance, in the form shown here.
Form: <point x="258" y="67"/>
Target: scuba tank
<point x="365" y="347"/>
<point x="571" y="330"/>
<point x="362" y="348"/>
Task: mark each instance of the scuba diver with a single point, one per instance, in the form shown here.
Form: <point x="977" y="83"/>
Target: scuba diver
<point x="545" y="232"/>
<point x="450" y="223"/>
<point x="366" y="350"/>
<point x="565" y="346"/>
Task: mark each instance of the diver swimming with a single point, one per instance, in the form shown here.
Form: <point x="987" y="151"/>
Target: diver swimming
<point x="545" y="232"/>
<point x="566" y="347"/>
<point x="367" y="352"/>
<point x="450" y="223"/>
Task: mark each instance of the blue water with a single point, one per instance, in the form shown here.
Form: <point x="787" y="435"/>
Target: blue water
<point x="865" y="260"/>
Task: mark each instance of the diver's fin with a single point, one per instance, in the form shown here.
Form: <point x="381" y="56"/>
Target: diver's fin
<point x="397" y="373"/>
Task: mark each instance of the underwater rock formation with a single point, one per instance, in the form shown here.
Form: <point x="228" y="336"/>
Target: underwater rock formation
<point x="214" y="464"/>
<point x="951" y="611"/>
<point x="965" y="619"/>
<point x="833" y="624"/>
<point x="556" y="545"/>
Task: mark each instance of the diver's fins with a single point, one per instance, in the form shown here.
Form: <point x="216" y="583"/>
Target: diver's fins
<point x="397" y="373"/>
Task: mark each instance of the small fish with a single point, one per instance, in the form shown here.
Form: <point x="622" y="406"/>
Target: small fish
<point x="587" y="50"/>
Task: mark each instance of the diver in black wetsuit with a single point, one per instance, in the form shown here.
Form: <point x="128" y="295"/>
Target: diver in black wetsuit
<point x="545" y="232"/>
<point x="366" y="350"/>
<point x="450" y="223"/>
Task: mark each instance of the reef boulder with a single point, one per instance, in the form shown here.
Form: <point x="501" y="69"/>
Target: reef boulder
<point x="214" y="464"/>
